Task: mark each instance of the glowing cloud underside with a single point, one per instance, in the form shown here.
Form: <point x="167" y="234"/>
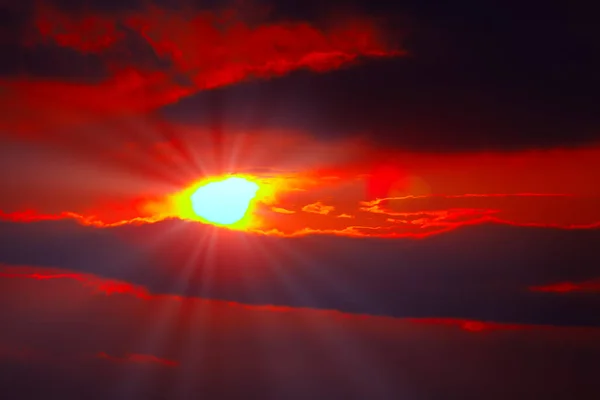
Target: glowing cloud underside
<point x="224" y="202"/>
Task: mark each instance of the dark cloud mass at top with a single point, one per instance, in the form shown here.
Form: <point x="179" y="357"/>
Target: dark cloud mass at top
<point x="474" y="77"/>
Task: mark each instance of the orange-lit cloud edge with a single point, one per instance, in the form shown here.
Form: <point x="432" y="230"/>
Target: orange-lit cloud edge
<point x="422" y="223"/>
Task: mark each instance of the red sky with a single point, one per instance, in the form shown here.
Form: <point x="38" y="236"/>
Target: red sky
<point x="366" y="126"/>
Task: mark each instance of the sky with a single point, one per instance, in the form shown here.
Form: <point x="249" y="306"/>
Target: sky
<point x="426" y="223"/>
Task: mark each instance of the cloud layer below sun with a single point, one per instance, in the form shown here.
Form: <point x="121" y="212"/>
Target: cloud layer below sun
<point x="490" y="272"/>
<point x="181" y="346"/>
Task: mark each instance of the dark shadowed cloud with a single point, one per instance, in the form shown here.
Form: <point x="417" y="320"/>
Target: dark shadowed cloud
<point x="477" y="77"/>
<point x="470" y="76"/>
<point x="479" y="272"/>
<point x="62" y="339"/>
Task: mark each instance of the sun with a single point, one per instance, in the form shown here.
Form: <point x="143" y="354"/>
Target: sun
<point x="232" y="201"/>
<point x="224" y="202"/>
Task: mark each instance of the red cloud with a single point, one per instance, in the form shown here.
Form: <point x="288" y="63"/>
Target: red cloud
<point x="31" y="215"/>
<point x="204" y="50"/>
<point x="139" y="359"/>
<point x="592" y="286"/>
<point x="27" y="354"/>
<point x="471" y="325"/>
<point x="282" y="210"/>
<point x="85" y="343"/>
<point x="105" y="286"/>
<point x="120" y="287"/>
<point x="432" y="223"/>
<point x="29" y="105"/>
<point x="318" y="208"/>
<point x="89" y="33"/>
<point x="227" y="51"/>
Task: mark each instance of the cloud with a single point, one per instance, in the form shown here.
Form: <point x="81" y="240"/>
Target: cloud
<point x="429" y="102"/>
<point x="64" y="106"/>
<point x="345" y="216"/>
<point x="105" y="286"/>
<point x="318" y="208"/>
<point x="153" y="57"/>
<point x="383" y="103"/>
<point x="376" y="218"/>
<point x="591" y="286"/>
<point x="87" y="33"/>
<point x="83" y="344"/>
<point x="31" y="216"/>
<point x="139" y="359"/>
<point x="281" y="210"/>
<point x="111" y="287"/>
<point x="490" y="265"/>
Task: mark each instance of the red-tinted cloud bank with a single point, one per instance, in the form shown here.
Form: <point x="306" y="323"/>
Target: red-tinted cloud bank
<point x="125" y="346"/>
<point x="153" y="57"/>
<point x="591" y="286"/>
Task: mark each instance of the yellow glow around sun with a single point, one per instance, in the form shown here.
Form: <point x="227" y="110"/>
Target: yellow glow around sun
<point x="227" y="201"/>
<point x="224" y="202"/>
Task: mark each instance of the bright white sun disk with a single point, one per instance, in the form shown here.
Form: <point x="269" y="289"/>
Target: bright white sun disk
<point x="224" y="202"/>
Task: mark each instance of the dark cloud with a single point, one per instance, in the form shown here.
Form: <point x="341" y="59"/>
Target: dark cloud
<point x="478" y="272"/>
<point x="476" y="78"/>
<point x="412" y="106"/>
<point x="62" y="340"/>
<point x="501" y="77"/>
